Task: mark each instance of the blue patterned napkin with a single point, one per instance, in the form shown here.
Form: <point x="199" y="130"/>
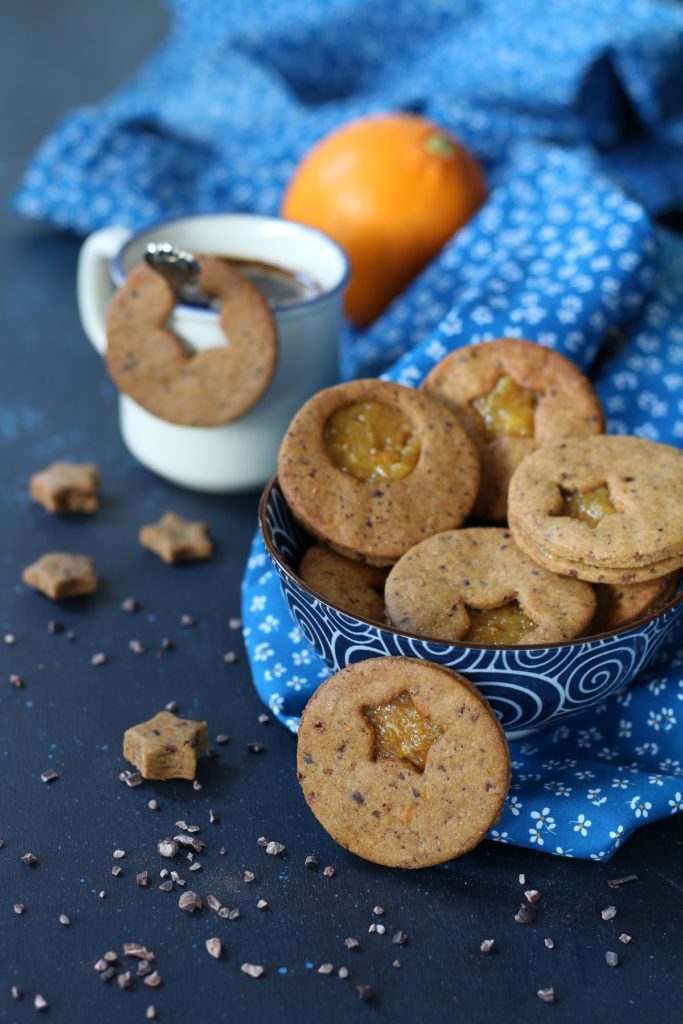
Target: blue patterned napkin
<point x="576" y="108"/>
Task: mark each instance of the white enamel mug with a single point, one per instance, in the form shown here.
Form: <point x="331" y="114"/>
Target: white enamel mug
<point x="241" y="455"/>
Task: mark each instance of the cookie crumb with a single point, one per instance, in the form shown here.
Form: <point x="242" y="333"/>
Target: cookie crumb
<point x="487" y="945"/>
<point x="608" y="913"/>
<point x="546" y="995"/>
<point x="214" y="947"/>
<point x="612" y="958"/>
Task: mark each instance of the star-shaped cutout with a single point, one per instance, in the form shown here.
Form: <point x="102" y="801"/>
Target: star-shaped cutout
<point x="165" y="747"/>
<point x="401" y="731"/>
<point x="175" y="539"/>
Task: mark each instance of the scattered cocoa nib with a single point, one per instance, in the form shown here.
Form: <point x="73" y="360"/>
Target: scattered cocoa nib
<point x="365" y="992"/>
<point x="546" y="995"/>
<point x="625" y="938"/>
<point x="274" y="848"/>
<point x="153" y="979"/>
<point x="608" y="913"/>
<point x="49" y="775"/>
<point x="190" y="901"/>
<point x="125" y="979"/>
<point x="351" y="943"/>
<point x="532" y="895"/>
<point x="142" y="878"/>
<point x="329" y="871"/>
<point x="130" y="778"/>
<point x="612" y="958"/>
<point x="253" y="970"/>
<point x="214" y="947"/>
<point x="30" y="859"/>
<point x="615" y="883"/>
<point x="248" y="876"/>
<point x="399" y="939"/>
<point x="487" y="945"/>
<point x="524" y="915"/>
<point x="167" y="847"/>
<point x="193" y="844"/>
<point x="312" y="863"/>
<point x="213" y="903"/>
<point x="134" y="949"/>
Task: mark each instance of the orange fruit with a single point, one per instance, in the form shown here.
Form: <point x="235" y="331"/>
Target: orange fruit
<point x="391" y="190"/>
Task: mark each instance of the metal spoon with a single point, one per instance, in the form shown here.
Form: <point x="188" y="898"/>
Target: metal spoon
<point x="180" y="269"/>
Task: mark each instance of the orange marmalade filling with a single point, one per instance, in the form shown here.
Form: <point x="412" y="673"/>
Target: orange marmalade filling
<point x="400" y="731"/>
<point x="588" y="506"/>
<point x="507" y="409"/>
<point x="372" y="441"/>
<point x="505" y="625"/>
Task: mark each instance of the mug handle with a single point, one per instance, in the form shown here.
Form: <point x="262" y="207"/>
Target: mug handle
<point x="93" y="281"/>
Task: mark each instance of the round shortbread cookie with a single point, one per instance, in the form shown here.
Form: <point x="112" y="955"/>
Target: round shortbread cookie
<point x="513" y="396"/>
<point x="195" y="389"/>
<point x="619" y="606"/>
<point x="355" y="588"/>
<point x="383" y="807"/>
<point x="644" y="483"/>
<point x="439" y="587"/>
<point x="376" y="520"/>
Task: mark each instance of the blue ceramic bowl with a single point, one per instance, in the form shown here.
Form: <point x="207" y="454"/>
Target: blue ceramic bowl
<point x="528" y="686"/>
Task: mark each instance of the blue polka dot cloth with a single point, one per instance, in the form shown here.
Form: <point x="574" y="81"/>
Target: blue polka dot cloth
<point x="576" y="110"/>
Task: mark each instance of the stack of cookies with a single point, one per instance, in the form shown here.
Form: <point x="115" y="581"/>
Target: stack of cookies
<point x="487" y="507"/>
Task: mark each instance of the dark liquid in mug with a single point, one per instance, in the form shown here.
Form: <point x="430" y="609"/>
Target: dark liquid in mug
<point x="280" y="287"/>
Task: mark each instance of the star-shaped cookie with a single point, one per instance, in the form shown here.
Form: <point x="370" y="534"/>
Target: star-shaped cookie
<point x="58" y="574"/>
<point x="165" y="747"/>
<point x="66" y="487"/>
<point x="175" y="539"/>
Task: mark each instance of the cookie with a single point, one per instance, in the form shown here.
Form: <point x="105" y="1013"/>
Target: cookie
<point x="620" y="605"/>
<point x="605" y="509"/>
<point x="66" y="487"/>
<point x="196" y="389"/>
<point x="165" y="747"/>
<point x="175" y="539"/>
<point x="513" y="396"/>
<point x="372" y="467"/>
<point x="476" y="586"/>
<point x="402" y="761"/>
<point x="59" y="575"/>
<point x="354" y="588"/>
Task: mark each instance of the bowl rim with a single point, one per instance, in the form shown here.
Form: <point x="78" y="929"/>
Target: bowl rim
<point x="276" y="557"/>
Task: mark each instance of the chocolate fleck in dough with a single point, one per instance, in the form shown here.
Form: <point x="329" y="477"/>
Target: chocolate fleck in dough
<point x="641" y="540"/>
<point x="195" y="389"/>
<point x="620" y="605"/>
<point x="384" y="808"/>
<point x="58" y="575"/>
<point x="353" y="481"/>
<point x="175" y="539"/>
<point x="513" y="396"/>
<point x="357" y="589"/>
<point x="440" y="587"/>
<point x="165" y="747"/>
<point x="66" y="487"/>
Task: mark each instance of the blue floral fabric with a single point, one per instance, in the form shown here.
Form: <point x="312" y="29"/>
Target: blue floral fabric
<point x="576" y="109"/>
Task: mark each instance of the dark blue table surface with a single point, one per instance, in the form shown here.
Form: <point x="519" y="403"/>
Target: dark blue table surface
<point x="56" y="401"/>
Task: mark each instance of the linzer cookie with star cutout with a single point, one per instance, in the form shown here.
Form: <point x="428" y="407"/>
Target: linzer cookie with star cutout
<point x="165" y="747"/>
<point x="402" y="761"/>
<point x="175" y="539"/>
<point x="371" y="468"/>
<point x="604" y="509"/>
<point x="512" y="397"/>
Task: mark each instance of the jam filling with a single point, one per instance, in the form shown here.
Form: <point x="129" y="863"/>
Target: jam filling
<point x="372" y="441"/>
<point x="505" y="625"/>
<point x="588" y="506"/>
<point x="400" y="731"/>
<point x="507" y="410"/>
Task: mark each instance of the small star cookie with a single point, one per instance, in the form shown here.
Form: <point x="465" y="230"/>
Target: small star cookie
<point x="58" y="574"/>
<point x="175" y="539"/>
<point x="66" y="487"/>
<point x="165" y="747"/>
